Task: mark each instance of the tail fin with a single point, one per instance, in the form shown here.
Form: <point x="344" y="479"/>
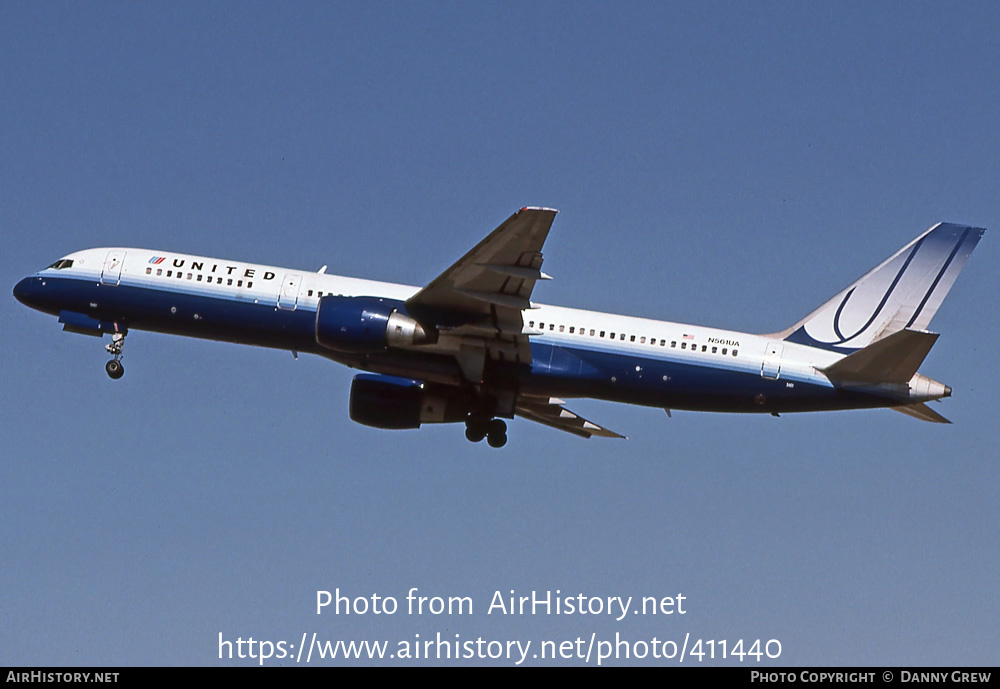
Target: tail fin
<point x="902" y="293"/>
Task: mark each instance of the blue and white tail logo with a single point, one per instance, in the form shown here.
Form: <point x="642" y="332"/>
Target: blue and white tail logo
<point x="903" y="292"/>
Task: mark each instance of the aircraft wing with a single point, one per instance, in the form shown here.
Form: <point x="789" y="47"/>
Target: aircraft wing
<point x="551" y="412"/>
<point x="479" y="299"/>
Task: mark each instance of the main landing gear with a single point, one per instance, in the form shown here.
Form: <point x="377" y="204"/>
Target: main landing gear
<point x="114" y="367"/>
<point x="494" y="430"/>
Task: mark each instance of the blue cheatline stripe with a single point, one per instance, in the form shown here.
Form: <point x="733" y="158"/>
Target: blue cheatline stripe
<point x="648" y="353"/>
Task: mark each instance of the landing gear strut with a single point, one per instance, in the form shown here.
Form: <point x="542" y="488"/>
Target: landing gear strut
<point x="494" y="430"/>
<point x="114" y="367"/>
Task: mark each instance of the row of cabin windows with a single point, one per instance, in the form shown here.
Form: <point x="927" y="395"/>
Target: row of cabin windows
<point x="199" y="277"/>
<point x="320" y="294"/>
<point x="631" y="338"/>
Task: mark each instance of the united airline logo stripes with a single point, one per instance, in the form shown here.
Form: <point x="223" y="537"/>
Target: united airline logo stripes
<point x="157" y="260"/>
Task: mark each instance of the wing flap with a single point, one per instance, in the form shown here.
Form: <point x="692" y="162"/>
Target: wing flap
<point x="511" y="301"/>
<point x="550" y="412"/>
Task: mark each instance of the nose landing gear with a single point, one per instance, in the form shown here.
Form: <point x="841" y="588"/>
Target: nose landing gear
<point x="114" y="367"/>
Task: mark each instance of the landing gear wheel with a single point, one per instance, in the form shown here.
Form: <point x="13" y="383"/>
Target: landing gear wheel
<point x="497" y="439"/>
<point x="497" y="434"/>
<point x="115" y="369"/>
<point x="476" y="428"/>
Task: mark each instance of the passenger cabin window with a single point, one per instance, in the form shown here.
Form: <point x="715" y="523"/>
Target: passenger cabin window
<point x="149" y="271"/>
<point x="684" y="345"/>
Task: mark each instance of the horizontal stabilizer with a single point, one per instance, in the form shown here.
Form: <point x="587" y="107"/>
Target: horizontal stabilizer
<point x="891" y="360"/>
<point x="923" y="412"/>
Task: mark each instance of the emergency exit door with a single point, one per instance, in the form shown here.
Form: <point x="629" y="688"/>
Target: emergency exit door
<point x="289" y="295"/>
<point x="111" y="272"/>
<point x="771" y="366"/>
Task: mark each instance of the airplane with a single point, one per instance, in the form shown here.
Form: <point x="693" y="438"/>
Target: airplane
<point x="471" y="347"/>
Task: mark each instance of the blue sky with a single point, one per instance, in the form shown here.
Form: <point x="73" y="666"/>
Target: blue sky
<point x="720" y="164"/>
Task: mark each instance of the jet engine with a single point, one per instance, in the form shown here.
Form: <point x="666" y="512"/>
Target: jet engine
<point x="391" y="402"/>
<point x="367" y="324"/>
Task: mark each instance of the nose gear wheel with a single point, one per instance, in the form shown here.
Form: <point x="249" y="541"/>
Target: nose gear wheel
<point x="114" y="367"/>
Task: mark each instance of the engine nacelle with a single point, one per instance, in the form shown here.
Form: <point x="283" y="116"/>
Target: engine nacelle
<point x="366" y="324"/>
<point x="391" y="402"/>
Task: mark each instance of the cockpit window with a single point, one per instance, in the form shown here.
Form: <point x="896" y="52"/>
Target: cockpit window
<point x="62" y="263"/>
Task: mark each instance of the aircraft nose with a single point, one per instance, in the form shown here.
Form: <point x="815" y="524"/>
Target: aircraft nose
<point x="21" y="290"/>
<point x="25" y="290"/>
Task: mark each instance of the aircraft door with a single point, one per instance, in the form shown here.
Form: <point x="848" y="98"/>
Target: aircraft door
<point x="771" y="366"/>
<point x="289" y="295"/>
<point x="111" y="272"/>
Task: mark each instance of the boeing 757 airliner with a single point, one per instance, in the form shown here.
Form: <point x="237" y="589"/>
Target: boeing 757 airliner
<point x="471" y="347"/>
